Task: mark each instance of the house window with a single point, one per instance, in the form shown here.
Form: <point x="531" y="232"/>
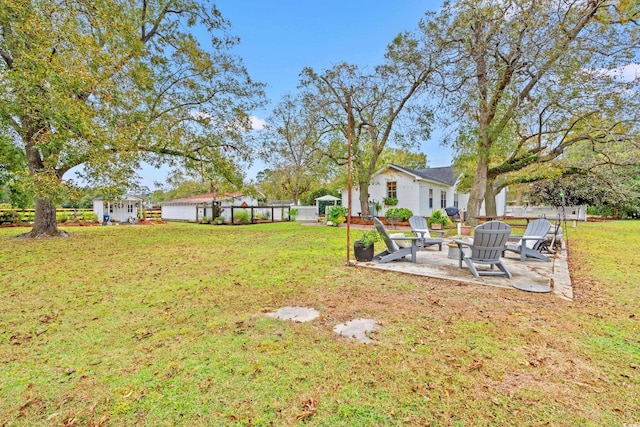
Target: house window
<point x="392" y="190"/>
<point x="455" y="199"/>
<point x="130" y="208"/>
<point x="443" y="199"/>
<point x="431" y="198"/>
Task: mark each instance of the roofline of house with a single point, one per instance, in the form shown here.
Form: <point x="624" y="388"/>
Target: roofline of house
<point x="122" y="199"/>
<point x="409" y="172"/>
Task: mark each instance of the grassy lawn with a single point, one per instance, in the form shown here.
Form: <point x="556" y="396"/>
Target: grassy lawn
<point x="164" y="325"/>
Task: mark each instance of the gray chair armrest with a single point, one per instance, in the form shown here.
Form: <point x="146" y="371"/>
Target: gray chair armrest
<point x="533" y="237"/>
<point x="414" y="239"/>
<point x="427" y="233"/>
<point x="462" y="243"/>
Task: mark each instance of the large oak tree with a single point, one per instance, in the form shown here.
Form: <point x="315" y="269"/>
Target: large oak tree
<point x="108" y="84"/>
<point x="382" y="107"/>
<point x="527" y="78"/>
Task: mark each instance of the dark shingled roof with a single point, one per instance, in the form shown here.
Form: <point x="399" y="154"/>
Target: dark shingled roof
<point x="445" y="175"/>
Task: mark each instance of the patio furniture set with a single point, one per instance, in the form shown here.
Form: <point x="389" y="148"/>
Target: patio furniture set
<point x="487" y="247"/>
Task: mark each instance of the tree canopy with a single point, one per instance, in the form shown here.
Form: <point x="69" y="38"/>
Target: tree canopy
<point x="526" y="79"/>
<point x="291" y="146"/>
<point x="611" y="189"/>
<point x="109" y="84"/>
<point x="381" y="108"/>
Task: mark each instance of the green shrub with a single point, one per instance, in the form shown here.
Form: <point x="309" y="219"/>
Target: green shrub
<point x="265" y="215"/>
<point x="292" y="214"/>
<point x="219" y="220"/>
<point x="390" y="201"/>
<point x="206" y="220"/>
<point x="440" y="218"/>
<point x="61" y="217"/>
<point x="368" y="238"/>
<point x="241" y="217"/>
<point x="89" y="216"/>
<point x="216" y="210"/>
<point x="9" y="217"/>
<point x="402" y="213"/>
<point x="336" y="215"/>
<point x="26" y="217"/>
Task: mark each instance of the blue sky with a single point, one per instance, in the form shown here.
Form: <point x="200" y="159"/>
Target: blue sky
<point x="278" y="38"/>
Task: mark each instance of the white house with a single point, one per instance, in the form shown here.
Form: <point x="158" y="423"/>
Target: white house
<point x="125" y="209"/>
<point x="420" y="190"/>
<point x="194" y="208"/>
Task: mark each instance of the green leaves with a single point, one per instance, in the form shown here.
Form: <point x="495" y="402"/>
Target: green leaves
<point x="108" y="84"/>
<point x="528" y="79"/>
<point x="383" y="108"/>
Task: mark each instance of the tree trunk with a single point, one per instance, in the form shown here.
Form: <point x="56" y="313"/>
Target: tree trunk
<point x="364" y="199"/>
<point x="45" y="224"/>
<point x="476" y="197"/>
<point x="490" y="199"/>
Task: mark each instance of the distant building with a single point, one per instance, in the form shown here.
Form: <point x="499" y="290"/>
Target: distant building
<point x="124" y="209"/>
<point x="420" y="190"/>
<point x="194" y="208"/>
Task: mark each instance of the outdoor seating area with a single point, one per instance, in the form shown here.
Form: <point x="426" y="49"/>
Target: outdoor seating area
<point x="420" y="229"/>
<point x="553" y="275"/>
<point x="486" y="261"/>
<point x="533" y="241"/>
<point x="221" y="213"/>
<point x="486" y="249"/>
<point x="394" y="251"/>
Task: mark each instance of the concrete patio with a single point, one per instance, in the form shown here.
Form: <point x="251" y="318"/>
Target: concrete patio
<point x="529" y="274"/>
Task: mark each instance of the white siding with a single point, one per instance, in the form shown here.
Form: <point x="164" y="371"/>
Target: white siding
<point x="307" y="213"/>
<point x="123" y="211"/>
<point x="423" y="191"/>
<point x="118" y="210"/>
<point x="501" y="202"/>
<point x="237" y="201"/>
<point x="463" y="201"/>
<point x="355" y="200"/>
<point x="179" y="212"/>
<point x="413" y="194"/>
<point x="98" y="209"/>
<point x="407" y="189"/>
<point x="187" y="211"/>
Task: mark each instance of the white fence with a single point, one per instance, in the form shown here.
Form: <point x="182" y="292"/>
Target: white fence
<point x="265" y="213"/>
<point x="569" y="213"/>
<point x="307" y="213"/>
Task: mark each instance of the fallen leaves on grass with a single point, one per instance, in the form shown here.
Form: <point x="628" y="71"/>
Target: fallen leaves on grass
<point x="69" y="422"/>
<point x="29" y="403"/>
<point x="140" y="335"/>
<point x="476" y="365"/>
<point x="100" y="422"/>
<point x="309" y="408"/>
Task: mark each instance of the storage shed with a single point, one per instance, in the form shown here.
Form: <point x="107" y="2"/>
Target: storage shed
<point x="125" y="209"/>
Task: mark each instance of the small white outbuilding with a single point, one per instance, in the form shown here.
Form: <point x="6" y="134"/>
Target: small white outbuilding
<point x="324" y="201"/>
<point x="125" y="209"/>
<point x="194" y="208"/>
